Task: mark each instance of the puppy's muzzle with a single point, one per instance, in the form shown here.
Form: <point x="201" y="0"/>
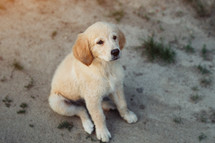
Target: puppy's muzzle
<point x="115" y="53"/>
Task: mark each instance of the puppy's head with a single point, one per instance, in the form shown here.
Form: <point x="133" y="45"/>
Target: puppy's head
<point x="101" y="40"/>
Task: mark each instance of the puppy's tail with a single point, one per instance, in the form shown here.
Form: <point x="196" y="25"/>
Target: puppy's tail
<point x="63" y="106"/>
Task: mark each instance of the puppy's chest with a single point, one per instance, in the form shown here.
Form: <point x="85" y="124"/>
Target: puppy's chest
<point x="112" y="80"/>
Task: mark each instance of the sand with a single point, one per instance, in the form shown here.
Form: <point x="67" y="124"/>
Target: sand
<point x="35" y="35"/>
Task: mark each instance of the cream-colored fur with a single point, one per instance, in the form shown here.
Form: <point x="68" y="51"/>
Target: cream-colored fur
<point x="90" y="72"/>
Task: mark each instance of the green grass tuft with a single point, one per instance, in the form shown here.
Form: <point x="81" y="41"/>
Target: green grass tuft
<point x="65" y="125"/>
<point x="195" y="98"/>
<point x="205" y="53"/>
<point x="188" y="48"/>
<point x="22" y="111"/>
<point x="7" y="101"/>
<point x="203" y="69"/>
<point x="158" y="50"/>
<point x="24" y="105"/>
<point x="177" y="120"/>
<point x="31" y="125"/>
<point x="207" y="81"/>
<point x="202" y="136"/>
<point x="195" y="88"/>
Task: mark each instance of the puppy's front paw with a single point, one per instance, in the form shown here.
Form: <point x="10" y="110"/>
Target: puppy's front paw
<point x="130" y="117"/>
<point x="88" y="126"/>
<point x="103" y="134"/>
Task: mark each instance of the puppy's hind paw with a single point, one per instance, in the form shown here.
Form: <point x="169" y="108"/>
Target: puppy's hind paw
<point x="130" y="117"/>
<point x="88" y="126"/>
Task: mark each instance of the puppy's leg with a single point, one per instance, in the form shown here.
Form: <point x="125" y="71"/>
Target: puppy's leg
<point x="94" y="107"/>
<point x="59" y="104"/>
<point x="108" y="105"/>
<point x="119" y="99"/>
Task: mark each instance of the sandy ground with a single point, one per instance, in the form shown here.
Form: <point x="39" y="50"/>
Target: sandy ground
<point x="37" y="34"/>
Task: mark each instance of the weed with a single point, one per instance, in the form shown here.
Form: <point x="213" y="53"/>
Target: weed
<point x="24" y="105"/>
<point x="54" y="34"/>
<point x="7" y="101"/>
<point x="92" y="138"/>
<point x="117" y="15"/>
<point x="65" y="125"/>
<point x="207" y="81"/>
<point x="31" y="125"/>
<point x="177" y="120"/>
<point x="195" y="98"/>
<point x="32" y="97"/>
<point x="205" y="52"/>
<point x="188" y="48"/>
<point x="22" y="111"/>
<point x="100" y="2"/>
<point x="141" y="12"/>
<point x="206" y="116"/>
<point x="203" y="69"/>
<point x="17" y="66"/>
<point x="147" y="17"/>
<point x="179" y="14"/>
<point x="203" y="117"/>
<point x="30" y="84"/>
<point x="200" y="7"/>
<point x="212" y="115"/>
<point x="158" y="50"/>
<point x="204" y="49"/>
<point x="202" y="136"/>
<point x="195" y="88"/>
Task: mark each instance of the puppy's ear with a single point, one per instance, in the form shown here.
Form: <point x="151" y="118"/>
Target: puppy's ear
<point x="81" y="50"/>
<point x="122" y="40"/>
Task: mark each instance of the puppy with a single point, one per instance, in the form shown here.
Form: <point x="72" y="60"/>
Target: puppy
<point x="89" y="73"/>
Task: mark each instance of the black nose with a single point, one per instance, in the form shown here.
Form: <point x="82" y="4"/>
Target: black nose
<point x="115" y="52"/>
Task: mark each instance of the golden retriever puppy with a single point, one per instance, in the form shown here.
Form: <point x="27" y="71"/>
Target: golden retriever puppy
<point x="89" y="73"/>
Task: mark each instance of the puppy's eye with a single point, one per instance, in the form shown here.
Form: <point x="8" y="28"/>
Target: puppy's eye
<point x="100" y="42"/>
<point x="114" y="37"/>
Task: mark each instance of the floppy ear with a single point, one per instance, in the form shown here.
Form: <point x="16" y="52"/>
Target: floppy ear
<point x="81" y="50"/>
<point x="122" y="40"/>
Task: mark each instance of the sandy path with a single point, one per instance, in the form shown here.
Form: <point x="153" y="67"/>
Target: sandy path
<point x="38" y="34"/>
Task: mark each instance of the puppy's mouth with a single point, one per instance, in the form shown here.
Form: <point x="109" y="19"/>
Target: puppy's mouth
<point x="115" y="58"/>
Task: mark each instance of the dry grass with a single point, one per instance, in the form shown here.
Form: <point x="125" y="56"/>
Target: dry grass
<point x="17" y="66"/>
<point x="117" y="15"/>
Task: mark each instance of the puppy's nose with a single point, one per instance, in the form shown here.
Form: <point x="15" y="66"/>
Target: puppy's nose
<point x="115" y="52"/>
